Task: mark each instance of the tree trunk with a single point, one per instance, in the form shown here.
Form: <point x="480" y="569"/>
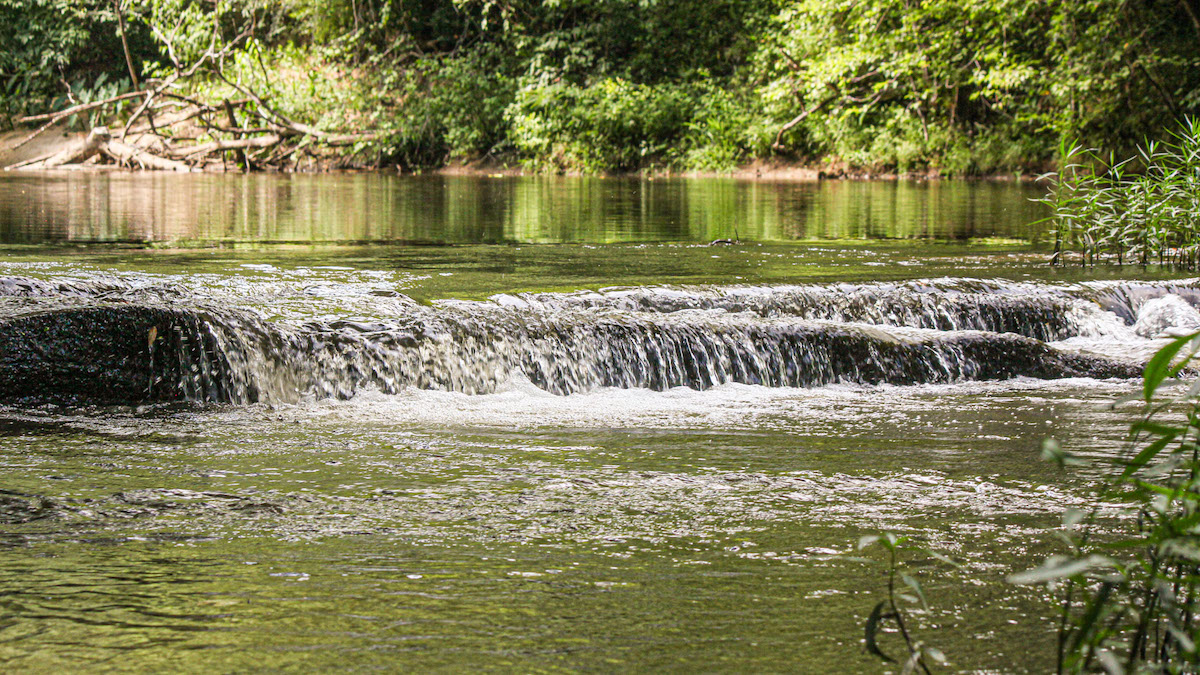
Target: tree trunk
<point x="74" y="153"/>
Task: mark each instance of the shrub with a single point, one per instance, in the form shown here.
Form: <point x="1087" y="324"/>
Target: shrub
<point x="614" y="125"/>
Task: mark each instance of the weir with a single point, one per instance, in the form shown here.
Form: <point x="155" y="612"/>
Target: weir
<point x="79" y="342"/>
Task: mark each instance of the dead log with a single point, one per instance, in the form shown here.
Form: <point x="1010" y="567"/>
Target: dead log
<point x="55" y="118"/>
<point x="223" y="145"/>
<point x="128" y="154"/>
<point x="74" y="153"/>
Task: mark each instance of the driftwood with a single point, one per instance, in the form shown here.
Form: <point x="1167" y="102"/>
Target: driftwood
<point x="100" y="141"/>
<point x="188" y="134"/>
<point x="75" y="153"/>
<point x="128" y="155"/>
<point x="171" y="131"/>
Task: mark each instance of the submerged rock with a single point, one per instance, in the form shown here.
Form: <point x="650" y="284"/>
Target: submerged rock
<point x="111" y="354"/>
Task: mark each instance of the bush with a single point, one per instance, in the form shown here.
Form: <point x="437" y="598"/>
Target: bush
<point x="614" y="125"/>
<point x="447" y="107"/>
<point x="724" y="131"/>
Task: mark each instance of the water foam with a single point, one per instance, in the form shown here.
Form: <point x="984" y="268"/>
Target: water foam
<point x="917" y="332"/>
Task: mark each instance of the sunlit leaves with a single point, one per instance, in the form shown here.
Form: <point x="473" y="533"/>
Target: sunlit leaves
<point x="1105" y="211"/>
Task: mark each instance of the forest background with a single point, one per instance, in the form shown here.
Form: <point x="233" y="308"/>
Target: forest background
<point x="941" y="87"/>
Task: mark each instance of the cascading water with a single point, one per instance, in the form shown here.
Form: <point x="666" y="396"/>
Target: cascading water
<point x="110" y="341"/>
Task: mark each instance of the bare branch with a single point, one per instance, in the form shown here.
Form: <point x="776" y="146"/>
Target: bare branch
<point x="67" y="112"/>
<point x="223" y="145"/>
<point x="778" y="144"/>
<point x="177" y="75"/>
<point x="279" y="118"/>
<point x="128" y="154"/>
<point x="55" y="118"/>
<point x="125" y="42"/>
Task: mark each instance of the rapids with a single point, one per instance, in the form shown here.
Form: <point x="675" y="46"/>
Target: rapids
<point x="104" y="342"/>
<point x="247" y="424"/>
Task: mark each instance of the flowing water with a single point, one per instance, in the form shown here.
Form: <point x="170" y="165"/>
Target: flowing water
<point x="378" y="423"/>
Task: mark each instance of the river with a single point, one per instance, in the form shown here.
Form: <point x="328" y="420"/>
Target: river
<point x="371" y="422"/>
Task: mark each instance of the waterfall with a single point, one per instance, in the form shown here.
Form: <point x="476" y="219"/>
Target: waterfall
<point x="107" y="342"/>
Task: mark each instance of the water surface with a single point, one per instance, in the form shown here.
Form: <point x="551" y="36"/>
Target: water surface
<point x="307" y="209"/>
<point x="433" y="525"/>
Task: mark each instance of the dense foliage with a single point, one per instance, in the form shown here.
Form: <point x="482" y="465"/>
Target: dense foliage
<point x="956" y="86"/>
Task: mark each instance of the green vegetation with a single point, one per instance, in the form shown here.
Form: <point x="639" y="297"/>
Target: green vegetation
<point x="1137" y="210"/>
<point x="961" y="88"/>
<point x="920" y="655"/>
<point x="1127" y="587"/>
<point x="1129" y="591"/>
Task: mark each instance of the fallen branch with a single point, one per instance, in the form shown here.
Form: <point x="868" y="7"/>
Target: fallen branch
<point x="178" y="75"/>
<point x="74" y="153"/>
<point x="128" y="154"/>
<point x="67" y="112"/>
<point x="223" y="145"/>
<point x="169" y="120"/>
<point x="56" y="117"/>
<point x="150" y="96"/>
<point x="280" y="118"/>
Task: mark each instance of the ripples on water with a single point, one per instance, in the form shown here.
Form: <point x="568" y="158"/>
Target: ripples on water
<point x="363" y="457"/>
<point x="472" y="483"/>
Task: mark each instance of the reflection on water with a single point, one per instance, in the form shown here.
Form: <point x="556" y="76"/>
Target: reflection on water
<point x="151" y="207"/>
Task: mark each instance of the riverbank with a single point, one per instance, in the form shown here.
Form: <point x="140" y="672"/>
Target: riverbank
<point x="777" y="170"/>
<point x="21" y="150"/>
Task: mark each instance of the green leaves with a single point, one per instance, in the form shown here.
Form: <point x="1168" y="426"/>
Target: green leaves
<point x="919" y="654"/>
<point x="1060" y="567"/>
<point x="1103" y="209"/>
<point x="1131" y="585"/>
<point x="1053" y="452"/>
<point x="1163" y="364"/>
<point x="872" y="628"/>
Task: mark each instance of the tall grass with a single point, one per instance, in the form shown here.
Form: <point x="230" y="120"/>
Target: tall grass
<point x="1138" y="210"/>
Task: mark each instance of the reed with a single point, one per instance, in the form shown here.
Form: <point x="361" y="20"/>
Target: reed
<point x="1140" y="210"/>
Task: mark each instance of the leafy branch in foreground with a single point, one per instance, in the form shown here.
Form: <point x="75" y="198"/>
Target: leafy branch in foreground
<point x="889" y="610"/>
<point x="1129" y="591"/>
